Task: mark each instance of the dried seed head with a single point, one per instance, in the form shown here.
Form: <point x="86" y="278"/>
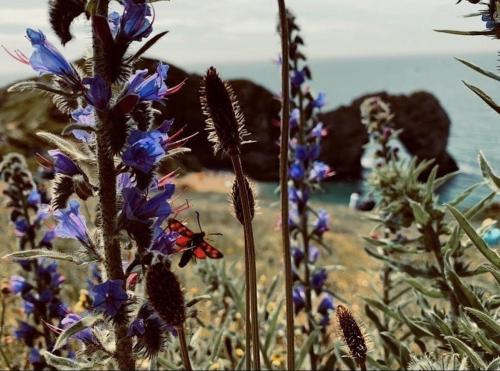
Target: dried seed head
<point x="352" y="334"/>
<point x="62" y="189"/>
<point x="165" y="294"/>
<point x="225" y="121"/>
<point x="236" y="200"/>
<point x="62" y="13"/>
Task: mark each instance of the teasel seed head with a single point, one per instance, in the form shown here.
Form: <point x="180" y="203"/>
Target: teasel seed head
<point x="236" y="200"/>
<point x="225" y="121"/>
<point x="62" y="13"/>
<point x="165" y="294"/>
<point x="352" y="334"/>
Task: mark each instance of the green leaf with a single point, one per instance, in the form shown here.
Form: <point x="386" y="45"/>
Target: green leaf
<point x="218" y="340"/>
<point x="494" y="365"/>
<point x="466" y="33"/>
<point x="492" y="179"/>
<point x="311" y="340"/>
<point x="415" y="328"/>
<point x="404" y="356"/>
<point x="475" y="238"/>
<point x="464" y="349"/>
<point x="480" y="70"/>
<point x="198" y="299"/>
<point x="271" y="331"/>
<point x="427" y="291"/>
<point x="382" y="307"/>
<point x="462" y="196"/>
<point x="463" y="293"/>
<point x="444" y="179"/>
<point x="63" y="363"/>
<point x="489" y="268"/>
<point x="43" y="253"/>
<point x="75" y="328"/>
<point x="473" y="210"/>
<point x="391" y="343"/>
<point x="492" y="324"/>
<point x="69" y="148"/>
<point x="421" y="216"/>
<point x="485" y="97"/>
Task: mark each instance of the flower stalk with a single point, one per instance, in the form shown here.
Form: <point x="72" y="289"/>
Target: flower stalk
<point x="108" y="206"/>
<point x="285" y="137"/>
<point x="184" y="348"/>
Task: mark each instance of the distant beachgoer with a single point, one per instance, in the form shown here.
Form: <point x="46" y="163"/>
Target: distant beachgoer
<point x="492" y="237"/>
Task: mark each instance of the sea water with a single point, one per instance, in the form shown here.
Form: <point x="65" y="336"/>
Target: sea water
<point x="474" y="126"/>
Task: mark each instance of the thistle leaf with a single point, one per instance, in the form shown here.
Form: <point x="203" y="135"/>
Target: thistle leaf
<point x="464" y="349"/>
<point x="475" y="238"/>
<point x="491" y="178"/>
<point x="63" y="363"/>
<point x="492" y="324"/>
<point x="75" y="328"/>
<point x="427" y="291"/>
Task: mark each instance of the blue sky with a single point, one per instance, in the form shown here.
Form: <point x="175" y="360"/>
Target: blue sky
<point x="211" y="31"/>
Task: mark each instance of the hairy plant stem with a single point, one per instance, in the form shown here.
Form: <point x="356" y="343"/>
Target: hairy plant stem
<point x="250" y="246"/>
<point x="285" y="227"/>
<point x="107" y="204"/>
<point x="248" y="325"/>
<point x="2" y="324"/>
<point x="184" y="348"/>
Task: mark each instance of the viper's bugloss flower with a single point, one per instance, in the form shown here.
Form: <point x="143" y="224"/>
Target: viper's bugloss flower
<point x="144" y="150"/>
<point x="297" y="255"/>
<point x="85" y="335"/>
<point x="109" y="297"/>
<point x="296" y="171"/>
<point x="295" y="195"/>
<point x="98" y="92"/>
<point x="490" y="22"/>
<point x="48" y="237"/>
<point x="320" y="100"/>
<point x="299" y="298"/>
<point x="152" y="87"/>
<point x="318" y="131"/>
<point x="46" y="59"/>
<point x="306" y="152"/>
<point x="320" y="171"/>
<point x="71" y="224"/>
<point x="352" y="334"/>
<point x="18" y="284"/>
<point x="21" y="226"/>
<point x="225" y="121"/>
<point x="34" y="198"/>
<point x="63" y="164"/>
<point x="318" y="279"/>
<point x="134" y="22"/>
<point x="136" y="206"/>
<point x="298" y="78"/>
<point x="313" y="254"/>
<point x="26" y="333"/>
<point x="84" y="116"/>
<point x="34" y="357"/>
<point x="294" y="118"/>
<point x="47" y="272"/>
<point x="114" y="20"/>
<point x="321" y="223"/>
<point x="163" y="241"/>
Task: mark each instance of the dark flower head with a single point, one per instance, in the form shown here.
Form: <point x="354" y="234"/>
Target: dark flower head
<point x="165" y="294"/>
<point x="46" y="59"/>
<point x="236" y="200"/>
<point x="225" y="121"/>
<point x="109" y="297"/>
<point x="134" y="22"/>
<point x="352" y="334"/>
<point x="62" y="13"/>
<point x="150" y="330"/>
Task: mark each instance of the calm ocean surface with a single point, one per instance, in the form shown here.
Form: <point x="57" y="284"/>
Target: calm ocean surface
<point x="474" y="126"/>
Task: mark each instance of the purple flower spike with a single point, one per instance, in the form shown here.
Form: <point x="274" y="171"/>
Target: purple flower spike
<point x="152" y="87"/>
<point x="136" y="328"/>
<point x="137" y="208"/>
<point x="71" y="224"/>
<point x="326" y="305"/>
<point x="135" y="24"/>
<point x="318" y="279"/>
<point x="85" y="335"/>
<point x="109" y="297"/>
<point x="296" y="171"/>
<point x="299" y="298"/>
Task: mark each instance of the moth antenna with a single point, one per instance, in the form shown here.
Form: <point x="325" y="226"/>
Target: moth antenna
<point x="198" y="219"/>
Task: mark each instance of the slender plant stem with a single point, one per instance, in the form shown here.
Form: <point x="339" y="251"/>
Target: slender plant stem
<point x="107" y="203"/>
<point x="362" y="366"/>
<point x="2" y="323"/>
<point x="184" y="348"/>
<point x="249" y="240"/>
<point x="285" y="227"/>
<point x="248" y="325"/>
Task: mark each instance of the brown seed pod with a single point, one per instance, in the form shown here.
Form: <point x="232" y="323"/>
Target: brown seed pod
<point x="352" y="334"/>
<point x="236" y="200"/>
<point x="165" y="294"/>
<point x="225" y="121"/>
